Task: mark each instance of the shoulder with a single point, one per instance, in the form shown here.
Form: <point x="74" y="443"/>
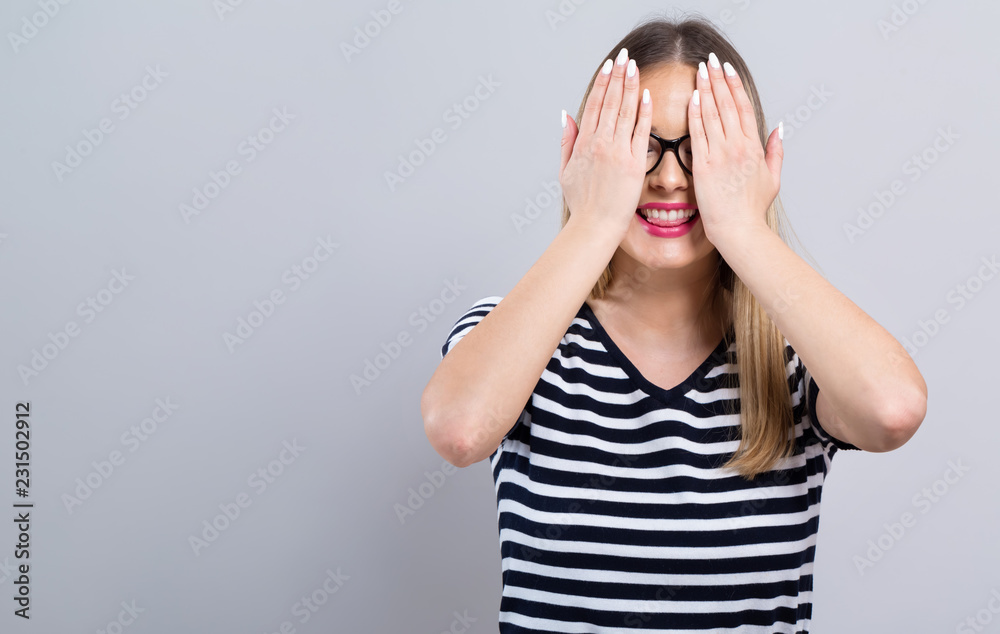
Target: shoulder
<point x="472" y="316"/>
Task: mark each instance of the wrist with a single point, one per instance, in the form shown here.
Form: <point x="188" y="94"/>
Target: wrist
<point x="732" y="235"/>
<point x="604" y="236"/>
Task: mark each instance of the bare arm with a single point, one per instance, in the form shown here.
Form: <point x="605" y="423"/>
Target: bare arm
<point x="480" y="387"/>
<point x="872" y="394"/>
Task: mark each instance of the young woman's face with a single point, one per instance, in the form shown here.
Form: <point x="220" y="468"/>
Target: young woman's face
<point x="670" y="89"/>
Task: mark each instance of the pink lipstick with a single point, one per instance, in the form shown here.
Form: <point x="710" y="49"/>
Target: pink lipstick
<point x="664" y="228"/>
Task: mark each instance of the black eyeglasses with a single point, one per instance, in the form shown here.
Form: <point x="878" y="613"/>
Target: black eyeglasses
<point x="680" y="147"/>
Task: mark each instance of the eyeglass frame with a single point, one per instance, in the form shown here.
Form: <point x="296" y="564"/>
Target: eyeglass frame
<point x="672" y="146"/>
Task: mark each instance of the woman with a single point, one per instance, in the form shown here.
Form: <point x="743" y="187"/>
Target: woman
<point x="646" y="392"/>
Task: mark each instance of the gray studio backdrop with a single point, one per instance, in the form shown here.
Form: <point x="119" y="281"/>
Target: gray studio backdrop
<point x="235" y="235"/>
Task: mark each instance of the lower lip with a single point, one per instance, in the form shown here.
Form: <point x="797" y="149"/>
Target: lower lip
<point x="668" y="232"/>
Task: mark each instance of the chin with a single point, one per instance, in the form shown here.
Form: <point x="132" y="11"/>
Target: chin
<point x="656" y="253"/>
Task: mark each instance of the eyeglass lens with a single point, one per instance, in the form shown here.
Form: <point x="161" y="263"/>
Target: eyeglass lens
<point x="683" y="152"/>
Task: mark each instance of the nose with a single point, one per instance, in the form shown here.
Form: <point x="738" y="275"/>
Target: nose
<point x="668" y="175"/>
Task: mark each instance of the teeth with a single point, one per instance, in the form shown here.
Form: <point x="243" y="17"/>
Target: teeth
<point x="673" y="214"/>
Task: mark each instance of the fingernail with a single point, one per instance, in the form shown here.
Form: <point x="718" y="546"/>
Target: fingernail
<point x="694" y="97"/>
<point x="622" y="56"/>
<point x="645" y="95"/>
<point x="703" y="70"/>
<point x="713" y="60"/>
<point x="781" y="130"/>
<point x="564" y="118"/>
<point x="630" y="70"/>
<point x="607" y="67"/>
<point x="729" y="69"/>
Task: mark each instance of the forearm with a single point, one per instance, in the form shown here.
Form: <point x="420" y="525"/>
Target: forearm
<point x="475" y="395"/>
<point x="866" y="375"/>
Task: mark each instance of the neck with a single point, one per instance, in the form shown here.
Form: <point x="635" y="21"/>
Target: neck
<point x="666" y="306"/>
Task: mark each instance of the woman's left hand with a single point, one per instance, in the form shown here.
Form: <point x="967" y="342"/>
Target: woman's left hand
<point x="734" y="181"/>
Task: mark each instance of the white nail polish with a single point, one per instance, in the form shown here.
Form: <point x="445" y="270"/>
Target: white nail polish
<point x="564" y="118"/>
<point x="645" y="95"/>
<point x="703" y="70"/>
<point x="695" y="98"/>
<point x="729" y="69"/>
<point x="630" y="69"/>
<point x="607" y="67"/>
<point x="713" y="60"/>
<point x="622" y="56"/>
<point x="781" y="130"/>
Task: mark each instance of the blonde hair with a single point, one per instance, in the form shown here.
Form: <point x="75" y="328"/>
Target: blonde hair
<point x="766" y="417"/>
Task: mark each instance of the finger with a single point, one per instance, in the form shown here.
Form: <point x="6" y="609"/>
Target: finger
<point x="630" y="99"/>
<point x="570" y="132"/>
<point x="696" y="128"/>
<point x="775" y="154"/>
<point x="748" y="118"/>
<point x="640" y="137"/>
<point x="709" y="112"/>
<point x="613" y="99"/>
<point x="592" y="110"/>
<point x="724" y="102"/>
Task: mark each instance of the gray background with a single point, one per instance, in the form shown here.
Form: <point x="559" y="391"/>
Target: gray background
<point x="450" y="221"/>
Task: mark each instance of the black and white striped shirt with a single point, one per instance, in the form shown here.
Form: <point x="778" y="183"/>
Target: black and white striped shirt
<point x="613" y="510"/>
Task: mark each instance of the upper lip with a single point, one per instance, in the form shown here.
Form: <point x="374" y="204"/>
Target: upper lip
<point x="667" y="206"/>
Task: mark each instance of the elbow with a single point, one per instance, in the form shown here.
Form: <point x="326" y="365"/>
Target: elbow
<point x="443" y="435"/>
<point x="901" y="421"/>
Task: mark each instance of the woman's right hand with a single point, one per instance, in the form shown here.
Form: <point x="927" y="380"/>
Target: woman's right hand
<point x="604" y="159"/>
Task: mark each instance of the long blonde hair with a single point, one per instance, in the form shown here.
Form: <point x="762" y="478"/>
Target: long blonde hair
<point x="766" y="417"/>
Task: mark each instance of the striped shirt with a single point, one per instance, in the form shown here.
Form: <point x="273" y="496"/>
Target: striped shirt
<point x="614" y="513"/>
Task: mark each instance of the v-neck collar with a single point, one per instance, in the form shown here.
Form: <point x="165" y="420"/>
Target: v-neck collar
<point x="717" y="357"/>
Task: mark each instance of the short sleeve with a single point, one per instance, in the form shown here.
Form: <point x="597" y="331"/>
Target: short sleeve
<point x="807" y="390"/>
<point x="472" y="316"/>
<point x="462" y="327"/>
